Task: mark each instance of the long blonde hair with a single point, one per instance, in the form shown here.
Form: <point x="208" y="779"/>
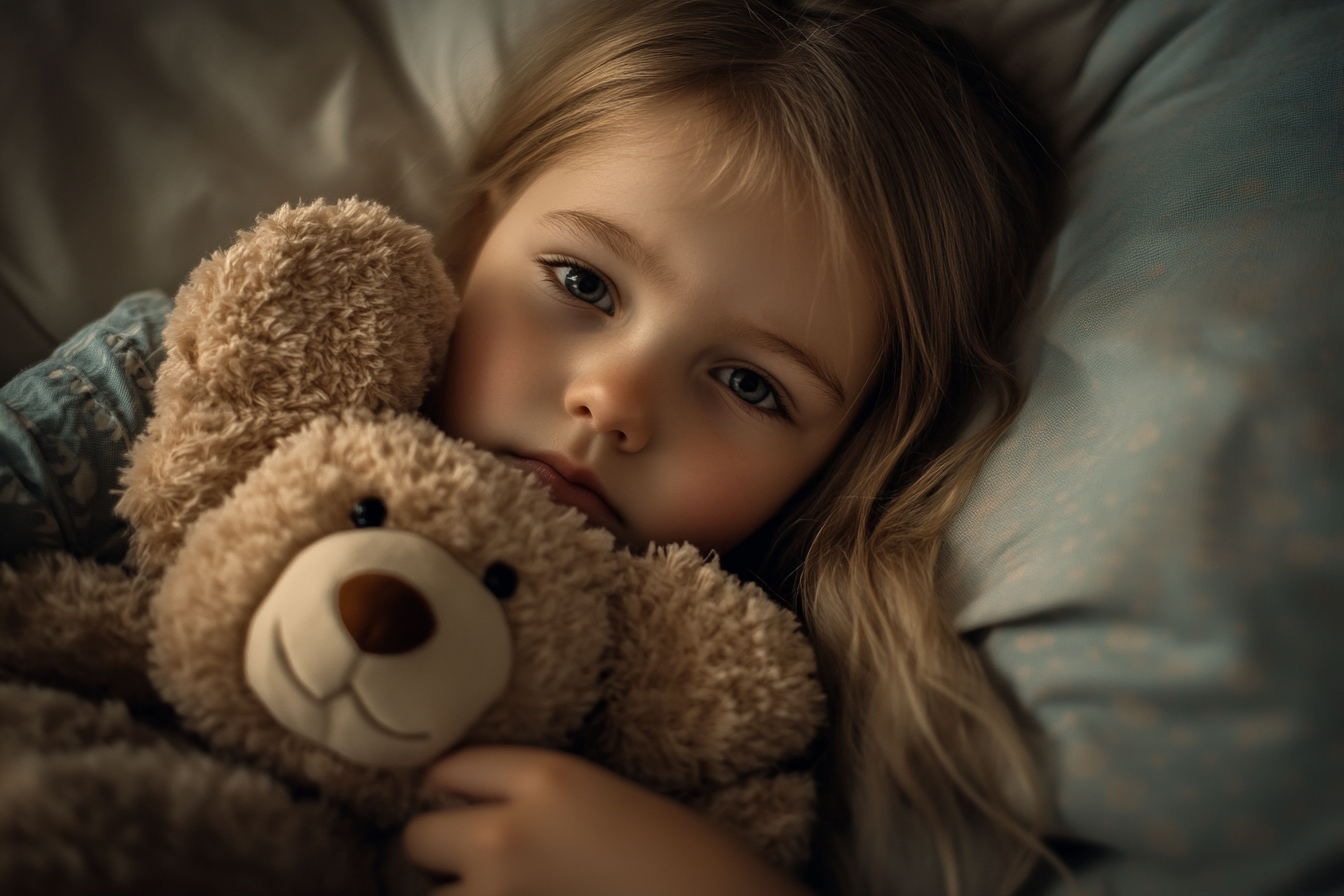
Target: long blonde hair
<point x="931" y="181"/>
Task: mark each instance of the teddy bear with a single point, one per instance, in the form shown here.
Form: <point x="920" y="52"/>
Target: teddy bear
<point x="324" y="592"/>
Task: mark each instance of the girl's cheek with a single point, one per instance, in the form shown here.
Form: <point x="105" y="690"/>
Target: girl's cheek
<point x="492" y="367"/>
<point x="719" y="501"/>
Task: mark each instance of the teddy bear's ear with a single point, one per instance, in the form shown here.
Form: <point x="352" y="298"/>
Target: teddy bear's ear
<point x="316" y="310"/>
<point x="711" y="680"/>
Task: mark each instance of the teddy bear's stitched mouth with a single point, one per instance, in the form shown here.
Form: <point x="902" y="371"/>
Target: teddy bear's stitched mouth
<point x="365" y="712"/>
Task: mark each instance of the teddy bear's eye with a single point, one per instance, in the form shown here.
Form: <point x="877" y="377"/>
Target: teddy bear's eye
<point x="501" y="579"/>
<point x="369" y="513"/>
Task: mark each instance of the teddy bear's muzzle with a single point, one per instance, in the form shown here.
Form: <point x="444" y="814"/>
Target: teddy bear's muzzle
<point x="379" y="645"/>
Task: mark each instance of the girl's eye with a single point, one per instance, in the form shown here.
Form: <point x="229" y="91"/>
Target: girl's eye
<point x="749" y="386"/>
<point x="586" y="286"/>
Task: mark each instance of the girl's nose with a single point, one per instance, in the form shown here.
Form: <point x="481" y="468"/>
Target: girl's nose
<point x="616" y="402"/>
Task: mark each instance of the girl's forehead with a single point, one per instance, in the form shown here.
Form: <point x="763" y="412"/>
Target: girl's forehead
<point x="728" y="160"/>
<point x="717" y="164"/>
<point x="682" y="170"/>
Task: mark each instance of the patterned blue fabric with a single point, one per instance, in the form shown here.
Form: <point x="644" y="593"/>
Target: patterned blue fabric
<point x="1156" y="549"/>
<point x="65" y="427"/>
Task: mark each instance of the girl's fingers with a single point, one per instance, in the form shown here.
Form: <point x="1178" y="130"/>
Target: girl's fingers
<point x="443" y="842"/>
<point x="542" y="822"/>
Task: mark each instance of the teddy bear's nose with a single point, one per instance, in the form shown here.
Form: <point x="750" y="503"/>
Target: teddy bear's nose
<point x="384" y="614"/>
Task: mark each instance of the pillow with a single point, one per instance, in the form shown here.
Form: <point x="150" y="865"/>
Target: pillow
<point x="1039" y="46"/>
<point x="1155" y="551"/>
<point x="140" y="136"/>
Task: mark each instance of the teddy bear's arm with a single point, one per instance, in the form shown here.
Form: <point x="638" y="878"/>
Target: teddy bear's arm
<point x="712" y="693"/>
<point x="92" y="801"/>
<point x="318" y="309"/>
<point x="711" y="682"/>
<point x="76" y="622"/>
<point x="773" y="814"/>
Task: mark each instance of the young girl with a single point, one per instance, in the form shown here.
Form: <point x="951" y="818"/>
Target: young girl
<point x="733" y="272"/>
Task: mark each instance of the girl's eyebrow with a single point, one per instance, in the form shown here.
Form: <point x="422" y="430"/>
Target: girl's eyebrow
<point x="809" y="361"/>
<point x="623" y="243"/>
<point x="616" y="238"/>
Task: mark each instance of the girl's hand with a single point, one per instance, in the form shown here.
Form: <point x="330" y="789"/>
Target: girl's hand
<point x="542" y="823"/>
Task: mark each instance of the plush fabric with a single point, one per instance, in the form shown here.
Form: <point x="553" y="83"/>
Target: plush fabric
<point x="1156" y="549"/>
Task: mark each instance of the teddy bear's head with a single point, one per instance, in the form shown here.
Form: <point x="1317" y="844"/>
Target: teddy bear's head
<point x="346" y="591"/>
<point x="373" y="593"/>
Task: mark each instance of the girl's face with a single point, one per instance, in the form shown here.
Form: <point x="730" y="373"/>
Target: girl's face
<point x="672" y="364"/>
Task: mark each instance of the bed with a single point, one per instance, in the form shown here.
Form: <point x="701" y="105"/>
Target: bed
<point x="1152" y="558"/>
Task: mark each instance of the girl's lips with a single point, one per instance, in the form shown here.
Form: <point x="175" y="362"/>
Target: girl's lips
<point x="585" y="499"/>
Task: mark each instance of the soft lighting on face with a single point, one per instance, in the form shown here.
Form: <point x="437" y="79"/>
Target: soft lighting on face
<point x="672" y="362"/>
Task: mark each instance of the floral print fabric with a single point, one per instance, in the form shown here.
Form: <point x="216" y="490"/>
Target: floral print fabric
<point x="66" y="425"/>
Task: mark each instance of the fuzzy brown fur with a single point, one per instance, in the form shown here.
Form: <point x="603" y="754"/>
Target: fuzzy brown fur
<point x="328" y="307"/>
<point x="295" y="360"/>
<point x="89" y="794"/>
